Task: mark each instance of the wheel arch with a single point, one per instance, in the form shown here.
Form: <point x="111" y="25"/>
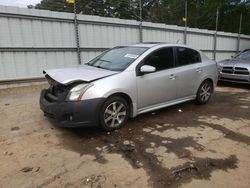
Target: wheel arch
<point x="126" y="97"/>
<point x="207" y="79"/>
<point x="211" y="81"/>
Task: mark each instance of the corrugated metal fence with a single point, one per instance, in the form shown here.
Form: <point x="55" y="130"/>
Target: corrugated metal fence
<point x="34" y="40"/>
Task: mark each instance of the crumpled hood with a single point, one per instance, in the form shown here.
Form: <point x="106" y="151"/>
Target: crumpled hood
<point x="80" y="73"/>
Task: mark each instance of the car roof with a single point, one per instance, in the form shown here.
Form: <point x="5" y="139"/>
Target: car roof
<point x="154" y="44"/>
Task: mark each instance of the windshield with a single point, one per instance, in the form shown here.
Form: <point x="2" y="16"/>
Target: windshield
<point x="244" y="55"/>
<point x="117" y="59"/>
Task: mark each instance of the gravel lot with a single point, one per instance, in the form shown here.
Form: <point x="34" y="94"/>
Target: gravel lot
<point x="186" y="145"/>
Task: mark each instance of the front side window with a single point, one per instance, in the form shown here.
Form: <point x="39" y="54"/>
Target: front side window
<point x="117" y="59"/>
<point x="187" y="56"/>
<point x="161" y="59"/>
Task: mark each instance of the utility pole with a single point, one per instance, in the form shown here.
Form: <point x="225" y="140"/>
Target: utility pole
<point x="77" y="35"/>
<point x="215" y="34"/>
<point x="238" y="41"/>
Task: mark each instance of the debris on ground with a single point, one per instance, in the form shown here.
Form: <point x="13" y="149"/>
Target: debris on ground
<point x="105" y="149"/>
<point x="15" y="128"/>
<point x="184" y="155"/>
<point x="152" y="144"/>
<point x="94" y="181"/>
<point x="244" y="107"/>
<point x="138" y="164"/>
<point x="7" y="153"/>
<point x="199" y="147"/>
<point x="126" y="142"/>
<point x="46" y="135"/>
<point x="98" y="149"/>
<point x="37" y="169"/>
<point x="26" y="169"/>
<point x="128" y="147"/>
<point x="187" y="168"/>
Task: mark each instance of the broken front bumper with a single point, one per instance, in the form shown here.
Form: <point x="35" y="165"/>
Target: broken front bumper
<point x="73" y="113"/>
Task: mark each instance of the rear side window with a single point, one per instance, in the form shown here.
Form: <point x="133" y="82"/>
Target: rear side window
<point x="161" y="59"/>
<point x="187" y="56"/>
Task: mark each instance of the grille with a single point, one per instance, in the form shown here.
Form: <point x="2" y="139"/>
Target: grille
<point x="239" y="70"/>
<point x="227" y="70"/>
<point x="235" y="70"/>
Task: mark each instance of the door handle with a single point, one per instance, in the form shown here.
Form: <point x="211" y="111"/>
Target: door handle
<point x="199" y="69"/>
<point x="172" y="77"/>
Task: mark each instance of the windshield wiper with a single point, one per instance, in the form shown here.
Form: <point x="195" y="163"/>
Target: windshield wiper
<point x="105" y="60"/>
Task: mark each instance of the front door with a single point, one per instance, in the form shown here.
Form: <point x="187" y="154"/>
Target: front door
<point x="159" y="86"/>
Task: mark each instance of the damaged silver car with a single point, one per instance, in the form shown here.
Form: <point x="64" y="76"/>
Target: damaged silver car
<point x="127" y="81"/>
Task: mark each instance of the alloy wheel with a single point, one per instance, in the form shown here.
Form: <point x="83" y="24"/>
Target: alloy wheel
<point x="206" y="92"/>
<point x="115" y="114"/>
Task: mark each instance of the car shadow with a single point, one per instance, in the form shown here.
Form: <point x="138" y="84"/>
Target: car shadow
<point x="234" y="85"/>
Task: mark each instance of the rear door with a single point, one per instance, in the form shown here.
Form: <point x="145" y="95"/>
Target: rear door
<point x="189" y="72"/>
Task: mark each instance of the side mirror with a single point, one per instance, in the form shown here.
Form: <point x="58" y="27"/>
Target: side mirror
<point x="147" y="69"/>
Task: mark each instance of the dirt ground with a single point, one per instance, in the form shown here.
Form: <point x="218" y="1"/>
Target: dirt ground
<point x="181" y="146"/>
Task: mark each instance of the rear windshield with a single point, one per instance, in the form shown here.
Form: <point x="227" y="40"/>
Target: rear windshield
<point x="117" y="59"/>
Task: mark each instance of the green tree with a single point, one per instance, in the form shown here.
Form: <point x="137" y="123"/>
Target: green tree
<point x="55" y="5"/>
<point x="201" y="13"/>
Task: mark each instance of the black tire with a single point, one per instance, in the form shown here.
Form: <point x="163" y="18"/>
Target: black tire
<point x="118" y="118"/>
<point x="204" y="92"/>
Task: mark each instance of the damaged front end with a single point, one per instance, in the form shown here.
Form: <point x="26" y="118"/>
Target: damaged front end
<point x="56" y="92"/>
<point x="57" y="103"/>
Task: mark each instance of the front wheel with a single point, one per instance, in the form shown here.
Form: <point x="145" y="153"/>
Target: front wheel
<point x="114" y="113"/>
<point x="204" y="92"/>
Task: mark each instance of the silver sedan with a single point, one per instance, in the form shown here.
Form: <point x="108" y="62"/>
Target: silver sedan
<point x="126" y="81"/>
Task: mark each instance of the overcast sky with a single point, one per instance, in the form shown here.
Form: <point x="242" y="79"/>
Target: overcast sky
<point x="19" y="3"/>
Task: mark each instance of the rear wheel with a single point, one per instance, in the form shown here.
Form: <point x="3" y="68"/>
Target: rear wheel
<point x="114" y="113"/>
<point x="204" y="92"/>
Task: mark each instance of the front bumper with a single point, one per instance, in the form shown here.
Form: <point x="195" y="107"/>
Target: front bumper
<point x="235" y="78"/>
<point x="72" y="114"/>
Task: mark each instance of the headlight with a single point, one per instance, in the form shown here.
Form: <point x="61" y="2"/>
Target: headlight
<point x="220" y="64"/>
<point x="77" y="92"/>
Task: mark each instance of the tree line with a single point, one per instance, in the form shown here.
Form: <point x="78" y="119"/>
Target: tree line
<point x="201" y="13"/>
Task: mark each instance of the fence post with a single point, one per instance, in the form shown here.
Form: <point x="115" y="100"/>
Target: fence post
<point x="215" y="34"/>
<point x="140" y="32"/>
<point x="140" y="25"/>
<point x="77" y="35"/>
<point x="185" y="30"/>
<point x="215" y="45"/>
<point x="238" y="40"/>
